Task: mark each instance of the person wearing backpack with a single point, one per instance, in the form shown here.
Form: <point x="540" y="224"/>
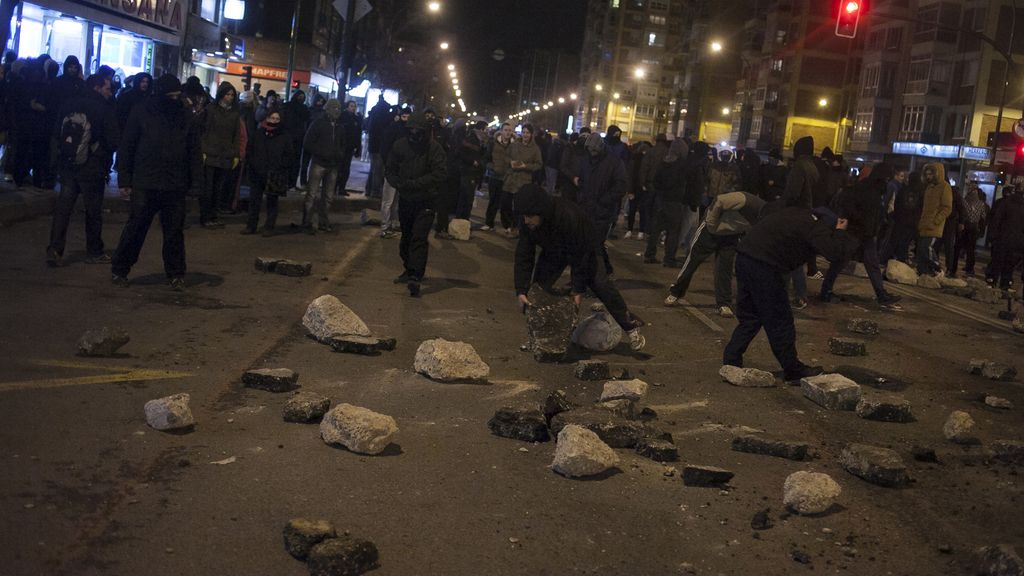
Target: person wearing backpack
<point x="87" y="138"/>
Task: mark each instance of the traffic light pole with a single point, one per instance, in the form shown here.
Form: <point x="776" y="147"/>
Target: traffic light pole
<point x="291" y="51"/>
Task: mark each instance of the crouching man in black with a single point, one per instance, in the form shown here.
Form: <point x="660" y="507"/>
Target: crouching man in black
<point x="566" y="237"/>
<point x="771" y="250"/>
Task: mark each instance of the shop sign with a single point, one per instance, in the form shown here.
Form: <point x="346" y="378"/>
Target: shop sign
<point x="975" y="153"/>
<point x="164" y="13"/>
<point x="268" y="72"/>
<point x="941" y="150"/>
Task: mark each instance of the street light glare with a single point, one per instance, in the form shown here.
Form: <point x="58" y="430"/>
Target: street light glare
<point x="561" y="100"/>
<point x="639" y="73"/>
<point x="434" y="6"/>
<point x="823" y="102"/>
<point x="444" y="45"/>
<point x="573" y="96"/>
<point x="451" y="66"/>
<point x="725" y="111"/>
<point x="452" y="74"/>
<point x="615" y="96"/>
<point x="716" y="46"/>
<point x="598" y="87"/>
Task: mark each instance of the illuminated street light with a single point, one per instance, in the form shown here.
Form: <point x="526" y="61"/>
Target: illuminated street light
<point x="561" y="100"/>
<point x="453" y="74"/>
<point x="545" y="106"/>
<point x="572" y="96"/>
<point x="822" y="103"/>
<point x="639" y="73"/>
<point x="598" y="87"/>
<point x="716" y="46"/>
<point x="537" y="108"/>
<point x="725" y="111"/>
<point x="451" y="66"/>
<point x="434" y="7"/>
<point x="444" y="45"/>
<point x="458" y="92"/>
<point x="615" y="96"/>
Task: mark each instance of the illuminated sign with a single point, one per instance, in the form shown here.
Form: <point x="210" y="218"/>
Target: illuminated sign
<point x="947" y="151"/>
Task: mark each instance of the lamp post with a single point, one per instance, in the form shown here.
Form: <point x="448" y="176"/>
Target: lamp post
<point x="639" y="75"/>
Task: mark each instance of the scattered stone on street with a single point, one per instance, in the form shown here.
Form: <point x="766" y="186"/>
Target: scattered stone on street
<point x="959" y="428"/>
<point x="657" y="450"/>
<point x="924" y="454"/>
<point x="884" y="408"/>
<point x="460" y="229"/>
<point x="104" y="342"/>
<point x="831" y="391"/>
<point x="520" y="423"/>
<point x="997" y="402"/>
<point x="446" y="361"/>
<point x="1008" y="451"/>
<point x="556" y="403"/>
<point x="598" y="332"/>
<point x="621" y="407"/>
<point x="634" y="390"/>
<point x="550" y="321"/>
<point x="900" y="273"/>
<point x="948" y="282"/>
<point x="771" y="447"/>
<point x="847" y="346"/>
<point x="988" y="295"/>
<point x="762" y="520"/>
<point x="284" y="267"/>
<point x="170" y="412"/>
<point x="343" y="556"/>
<point x="746" y="377"/>
<point x="306" y="407"/>
<point x="271" y="379"/>
<point x="1000" y="560"/>
<point x="862" y="326"/>
<point x="300" y="535"/>
<point x="327" y="318"/>
<point x="361" y="430"/>
<point x="579" y="452"/>
<point x="929" y="282"/>
<point x="364" y="345"/>
<point x="809" y="492"/>
<point x="874" y="464"/>
<point x="616" y="431"/>
<point x="592" y="370"/>
<point x="997" y="371"/>
<point x="695" y="475"/>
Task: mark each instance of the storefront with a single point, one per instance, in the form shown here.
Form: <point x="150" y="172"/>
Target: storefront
<point x="130" y="36"/>
<point x="268" y="77"/>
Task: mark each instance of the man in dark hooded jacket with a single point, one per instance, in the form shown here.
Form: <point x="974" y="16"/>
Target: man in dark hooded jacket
<point x="159" y="160"/>
<point x="566" y="237"/>
<point x="294" y="123"/>
<point x="325" y="144"/>
<point x="377" y="121"/>
<point x="1007" y="235"/>
<point x="667" y="185"/>
<point x="219" y="126"/>
<point x="602" y="185"/>
<point x="128" y="99"/>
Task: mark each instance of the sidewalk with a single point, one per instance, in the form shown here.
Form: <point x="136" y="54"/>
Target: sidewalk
<point x="18" y="204"/>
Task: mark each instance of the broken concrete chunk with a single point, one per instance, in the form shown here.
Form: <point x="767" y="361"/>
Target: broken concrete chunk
<point x="616" y="431"/>
<point x="580" y="452"/>
<point x="327" y="318"/>
<point x="1001" y="560"/>
<point x="1009" y="451"/>
<point x="169" y="413"/>
<point x="284" y="266"/>
<point x="997" y="402"/>
<point x="884" y="408"/>
<point x="364" y="345"/>
<point x="520" y="423"/>
<point x="929" y="282"/>
<point x="621" y="407"/>
<point x="556" y="403"/>
<point x="446" y="361"/>
<point x="460" y="229"/>
<point x="103" y="342"/>
<point x="959" y="428"/>
<point x="360" y="430"/>
<point x="300" y="535"/>
<point x="592" y="370"/>
<point x="997" y="371"/>
<point x="694" y="475"/>
<point x="306" y="407"/>
<point x="271" y="379"/>
<point x="831" y="391"/>
<point x="862" y="326"/>
<point x="877" y="465"/>
<point x="768" y="447"/>
<point x="343" y="556"/>
<point x="900" y="273"/>
<point x="809" y="492"/>
<point x="550" y="322"/>
<point x="633" y="390"/>
<point x="746" y="377"/>
<point x="657" y="450"/>
<point x="988" y="295"/>
<point x="847" y="347"/>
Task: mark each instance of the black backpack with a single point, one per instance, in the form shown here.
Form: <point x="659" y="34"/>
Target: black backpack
<point x="75" y="139"/>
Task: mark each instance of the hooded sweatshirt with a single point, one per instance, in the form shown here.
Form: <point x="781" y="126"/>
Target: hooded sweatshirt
<point x="220" y="136"/>
<point x="937" y="204"/>
<point x="564" y="231"/>
<point x="803" y="176"/>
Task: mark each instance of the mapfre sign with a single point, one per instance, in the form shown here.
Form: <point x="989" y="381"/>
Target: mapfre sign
<point x="164" y="13"/>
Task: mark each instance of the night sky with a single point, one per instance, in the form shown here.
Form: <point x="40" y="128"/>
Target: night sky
<point x="478" y="27"/>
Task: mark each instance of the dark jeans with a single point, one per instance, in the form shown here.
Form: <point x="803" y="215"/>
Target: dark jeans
<point x="949" y="236"/>
<point x="761" y="302"/>
<point x="297" y="165"/>
<point x="375" y="182"/>
<point x="869" y="253"/>
<point x="927" y="262"/>
<point x="641" y="206"/>
<point x="705" y="245"/>
<point x="215" y="180"/>
<point x="31" y="155"/>
<point x="966" y="244"/>
<point x="415" y="217"/>
<point x="256" y="196"/>
<point x="145" y="204"/>
<point x="345" y="169"/>
<point x="551" y="264"/>
<point x="446" y="200"/>
<point x="494" y="186"/>
<point x="92" y="198"/>
<point x="467" y="193"/>
<point x="508" y="219"/>
<point x="670" y="219"/>
<point x="1009" y="259"/>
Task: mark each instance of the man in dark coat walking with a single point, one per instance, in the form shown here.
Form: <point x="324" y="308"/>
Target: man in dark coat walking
<point x="602" y="186"/>
<point x="325" y="144"/>
<point x="158" y="162"/>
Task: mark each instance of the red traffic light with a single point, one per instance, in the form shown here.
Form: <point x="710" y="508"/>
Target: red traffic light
<point x="847" y="18"/>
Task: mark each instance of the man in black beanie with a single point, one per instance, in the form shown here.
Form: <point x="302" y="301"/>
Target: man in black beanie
<point x="566" y="238"/>
<point x="159" y="161"/>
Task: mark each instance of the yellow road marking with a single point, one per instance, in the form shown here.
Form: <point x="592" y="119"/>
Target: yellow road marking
<point x="80" y="365"/>
<point x="117" y="375"/>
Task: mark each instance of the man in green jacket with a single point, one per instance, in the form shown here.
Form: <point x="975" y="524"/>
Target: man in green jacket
<point x="416" y="168"/>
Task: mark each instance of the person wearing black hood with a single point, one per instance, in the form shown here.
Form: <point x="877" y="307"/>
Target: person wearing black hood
<point x="295" y="123"/>
<point x="84" y="158"/>
<point x="416" y="168"/>
<point x="159" y="160"/>
<point x="668" y="186"/>
<point x="566" y="237"/>
<point x="1007" y="235"/>
<point x="353" y="123"/>
<point x="779" y="243"/>
<point x="573" y="158"/>
<point x="269" y="170"/>
<point x="616" y="147"/>
<point x="602" y="186"/>
<point x="801" y="180"/>
<point x="220" y="133"/>
<point x="128" y="99"/>
<point x="325" y="144"/>
<point x="862" y="208"/>
<point x="69" y="84"/>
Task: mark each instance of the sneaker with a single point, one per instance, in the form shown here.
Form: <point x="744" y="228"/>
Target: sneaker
<point x="799" y="304"/>
<point x="725" y="312"/>
<point x="213" y="224"/>
<point x="325" y="228"/>
<point x="636" y="340"/>
<point x="640" y="236"/>
<point x="817" y="276"/>
<point x="53" y="258"/>
<point x="118" y="280"/>
<point x="804" y="372"/>
<point x="671" y="300"/>
<point x="889" y="299"/>
<point x="388" y="234"/>
<point x="485" y="228"/>
<point x="177" y="284"/>
<point x="627" y="235"/>
<point x="101" y="258"/>
<point x="414" y="288"/>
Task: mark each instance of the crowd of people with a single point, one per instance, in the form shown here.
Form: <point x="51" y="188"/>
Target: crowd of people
<point x="561" y="197"/>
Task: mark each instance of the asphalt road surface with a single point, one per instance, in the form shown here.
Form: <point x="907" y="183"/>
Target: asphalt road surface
<point x="86" y="487"/>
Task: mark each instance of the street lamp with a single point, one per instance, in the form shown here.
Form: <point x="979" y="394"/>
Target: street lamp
<point x="615" y="96"/>
<point x="725" y="111"/>
<point x="598" y="87"/>
<point x="573" y="96"/>
<point x="434" y="6"/>
<point x="561" y="100"/>
<point x="452" y="74"/>
<point x="444" y="45"/>
<point x="716" y="46"/>
<point x="639" y="73"/>
<point x="822" y="103"/>
<point x="451" y="66"/>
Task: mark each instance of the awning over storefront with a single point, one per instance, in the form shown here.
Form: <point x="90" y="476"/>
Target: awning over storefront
<point x="161" y="20"/>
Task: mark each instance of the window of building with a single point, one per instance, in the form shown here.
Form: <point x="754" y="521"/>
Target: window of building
<point x="655" y="39"/>
<point x="917" y="76"/>
<point x="959" y="126"/>
<point x="208" y="10"/>
<point x="862" y="125"/>
<point x="755" y="126"/>
<point x="925" y="28"/>
<point x="657" y="20"/>
<point x="645" y="110"/>
<point x="875" y="39"/>
<point x="887" y="81"/>
<point x="893" y="38"/>
<point x="780" y="37"/>
<point x="913" y="122"/>
<point x="759" y="96"/>
<point x="660" y="5"/>
<point x="615" y="3"/>
<point x="871" y="76"/>
<point x="777" y="65"/>
<point x="970" y="73"/>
